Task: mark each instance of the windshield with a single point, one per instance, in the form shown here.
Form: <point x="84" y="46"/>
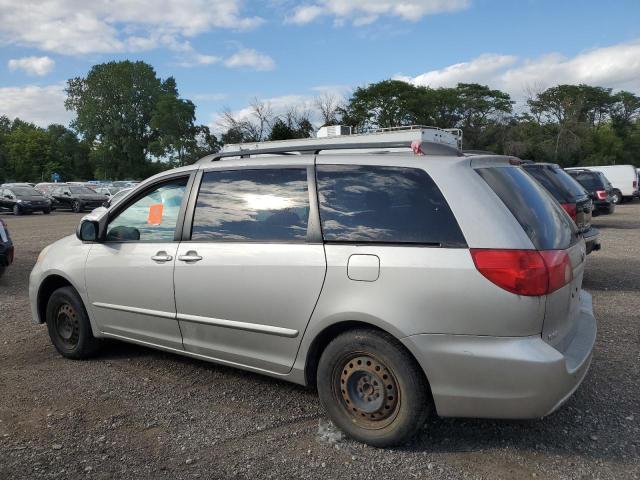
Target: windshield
<point x="26" y="192"/>
<point x="82" y="191"/>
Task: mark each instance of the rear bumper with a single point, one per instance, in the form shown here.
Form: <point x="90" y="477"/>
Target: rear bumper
<point x="6" y="255"/>
<point x="504" y="377"/>
<point x="592" y="239"/>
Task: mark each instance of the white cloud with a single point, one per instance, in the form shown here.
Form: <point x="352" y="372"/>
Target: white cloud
<point x="32" y="65"/>
<point x="100" y="26"/>
<point x="616" y="66"/>
<point x="363" y="12"/>
<point x="40" y="105"/>
<point x="250" y="58"/>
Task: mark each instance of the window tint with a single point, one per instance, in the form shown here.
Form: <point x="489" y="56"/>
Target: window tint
<point x="557" y="182"/>
<point x="384" y="205"/>
<point x="263" y="205"/>
<point x="26" y="192"/>
<point x="589" y="180"/>
<point x="152" y="218"/>
<point x="544" y="221"/>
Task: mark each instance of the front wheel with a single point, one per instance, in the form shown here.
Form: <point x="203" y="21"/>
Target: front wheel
<point x="372" y="388"/>
<point x="46" y="211"/>
<point x="68" y="325"/>
<point x="16" y="210"/>
<point x="76" y="206"/>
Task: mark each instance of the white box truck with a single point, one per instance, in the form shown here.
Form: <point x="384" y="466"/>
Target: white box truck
<point x="623" y="179"/>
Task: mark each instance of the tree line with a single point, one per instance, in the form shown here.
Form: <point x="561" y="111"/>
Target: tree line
<point x="130" y="124"/>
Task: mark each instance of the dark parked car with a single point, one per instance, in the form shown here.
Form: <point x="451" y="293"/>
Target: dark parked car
<point x="6" y="247"/>
<point x="21" y="199"/>
<point x="599" y="188"/>
<point x="77" y="198"/>
<point x="573" y="198"/>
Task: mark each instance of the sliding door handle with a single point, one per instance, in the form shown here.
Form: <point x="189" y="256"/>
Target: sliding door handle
<point x="190" y="257"/>
<point x="162" y="257"/>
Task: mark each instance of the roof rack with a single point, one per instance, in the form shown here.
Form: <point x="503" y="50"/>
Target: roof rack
<point x="433" y="140"/>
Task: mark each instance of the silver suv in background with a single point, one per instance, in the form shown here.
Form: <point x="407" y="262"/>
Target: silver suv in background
<point x="372" y="275"/>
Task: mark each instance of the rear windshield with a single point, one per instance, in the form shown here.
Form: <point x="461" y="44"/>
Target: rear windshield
<point x="557" y="182"/>
<point x="543" y="220"/>
<point x="589" y="180"/>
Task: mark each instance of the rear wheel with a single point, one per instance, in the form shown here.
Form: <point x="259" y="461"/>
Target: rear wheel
<point x="372" y="388"/>
<point x="46" y="211"/>
<point x="616" y="197"/>
<point x="68" y="325"/>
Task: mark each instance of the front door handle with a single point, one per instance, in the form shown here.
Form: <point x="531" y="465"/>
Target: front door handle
<point x="190" y="257"/>
<point x="162" y="257"/>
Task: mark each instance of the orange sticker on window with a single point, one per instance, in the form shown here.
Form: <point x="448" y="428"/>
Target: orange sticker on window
<point x="155" y="214"/>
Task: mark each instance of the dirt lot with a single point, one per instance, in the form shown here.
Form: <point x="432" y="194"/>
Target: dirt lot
<point x="138" y="413"/>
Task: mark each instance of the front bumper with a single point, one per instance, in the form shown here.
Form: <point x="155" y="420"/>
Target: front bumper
<point x="504" y="377"/>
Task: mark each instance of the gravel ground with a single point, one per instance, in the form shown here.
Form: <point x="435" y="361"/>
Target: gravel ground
<point x="138" y="413"/>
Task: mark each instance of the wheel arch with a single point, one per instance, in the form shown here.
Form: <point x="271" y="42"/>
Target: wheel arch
<point x="49" y="285"/>
<point x="326" y="335"/>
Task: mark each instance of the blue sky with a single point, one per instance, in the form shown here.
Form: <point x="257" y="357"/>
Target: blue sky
<point x="223" y="53"/>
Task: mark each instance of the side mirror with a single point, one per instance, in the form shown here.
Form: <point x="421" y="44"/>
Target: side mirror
<point x="68" y="194"/>
<point x="88" y="231"/>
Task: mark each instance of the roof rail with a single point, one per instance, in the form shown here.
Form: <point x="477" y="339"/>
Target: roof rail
<point x="430" y="148"/>
<point x="433" y="141"/>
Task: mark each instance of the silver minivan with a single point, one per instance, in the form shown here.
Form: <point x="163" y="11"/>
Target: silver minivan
<point x="400" y="284"/>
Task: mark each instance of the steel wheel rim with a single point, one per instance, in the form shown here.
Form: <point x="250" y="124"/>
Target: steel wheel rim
<point x="368" y="391"/>
<point x="67" y="325"/>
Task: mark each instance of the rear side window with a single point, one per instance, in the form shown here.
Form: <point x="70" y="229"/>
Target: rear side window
<point x="384" y="205"/>
<point x="263" y="205"/>
<point x="543" y="220"/>
<point x="557" y="182"/>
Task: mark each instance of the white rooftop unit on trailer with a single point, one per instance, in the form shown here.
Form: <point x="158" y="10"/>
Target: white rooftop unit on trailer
<point x="433" y="139"/>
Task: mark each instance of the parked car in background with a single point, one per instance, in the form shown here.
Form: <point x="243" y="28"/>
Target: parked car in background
<point x="599" y="189"/>
<point x="571" y="196"/>
<point x="115" y="198"/>
<point x="107" y="191"/>
<point x="6" y="247"/>
<point x="623" y="179"/>
<point x="46" y="187"/>
<point x="369" y="276"/>
<point x="77" y="197"/>
<point x="23" y="199"/>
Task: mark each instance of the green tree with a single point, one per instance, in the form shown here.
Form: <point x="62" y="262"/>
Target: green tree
<point x="114" y="105"/>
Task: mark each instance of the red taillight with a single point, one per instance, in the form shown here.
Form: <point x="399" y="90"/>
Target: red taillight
<point x="571" y="209"/>
<point x="601" y="194"/>
<point x="524" y="272"/>
<point x="558" y="267"/>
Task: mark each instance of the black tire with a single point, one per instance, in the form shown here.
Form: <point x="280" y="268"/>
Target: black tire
<point x="350" y="391"/>
<point x="2" y="270"/>
<point x="616" y="197"/>
<point x="46" y="211"/>
<point x="76" y="206"/>
<point x="68" y="325"/>
<point x="16" y="210"/>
